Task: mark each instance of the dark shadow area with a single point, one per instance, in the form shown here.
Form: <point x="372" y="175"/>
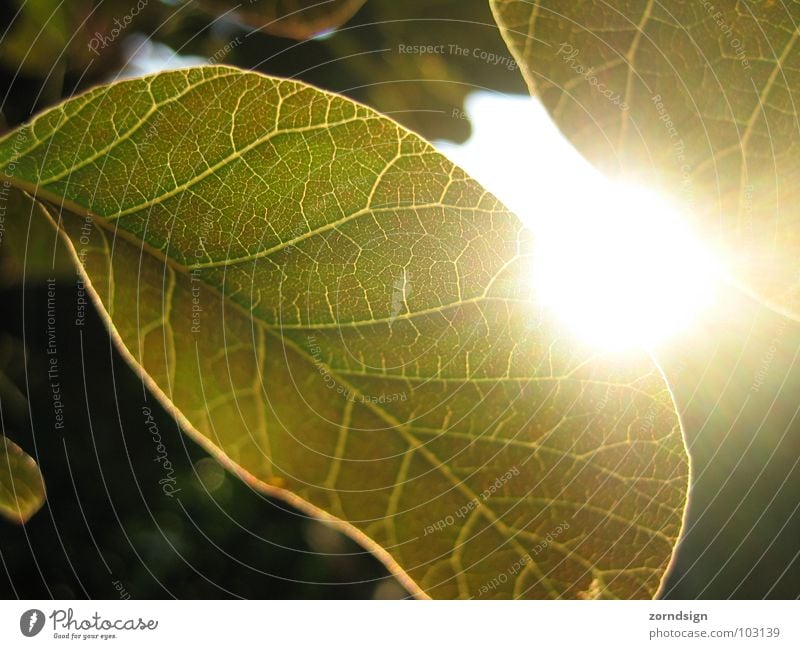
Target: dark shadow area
<point x="736" y="381"/>
<point x="108" y="522"/>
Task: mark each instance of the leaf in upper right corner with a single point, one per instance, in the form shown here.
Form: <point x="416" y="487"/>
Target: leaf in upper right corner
<point x="697" y="99"/>
<point x="21" y="485"/>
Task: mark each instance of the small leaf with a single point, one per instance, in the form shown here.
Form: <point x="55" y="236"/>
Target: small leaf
<point x="344" y="319"/>
<point x="297" y="19"/>
<point x="697" y="99"/>
<point x="21" y="483"/>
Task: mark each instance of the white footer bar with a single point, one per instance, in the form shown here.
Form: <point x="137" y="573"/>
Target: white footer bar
<point x="399" y="624"/>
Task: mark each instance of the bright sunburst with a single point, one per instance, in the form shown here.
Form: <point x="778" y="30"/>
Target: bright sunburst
<point x="618" y="265"/>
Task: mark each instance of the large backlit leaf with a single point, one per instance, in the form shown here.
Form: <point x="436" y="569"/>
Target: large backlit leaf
<point x="699" y="99"/>
<point x="344" y="319"/>
<point x="298" y="19"/>
<point x="21" y="484"/>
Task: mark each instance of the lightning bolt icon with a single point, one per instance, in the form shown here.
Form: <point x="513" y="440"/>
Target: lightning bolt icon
<point x="32" y="620"/>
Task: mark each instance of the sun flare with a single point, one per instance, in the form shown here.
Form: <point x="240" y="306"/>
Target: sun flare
<point x="620" y="267"/>
<point x="616" y="264"/>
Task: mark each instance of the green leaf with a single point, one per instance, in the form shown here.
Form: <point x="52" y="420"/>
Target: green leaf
<point x="297" y="19"/>
<point x="696" y="99"/>
<point x="344" y="319"/>
<point x="21" y="484"/>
